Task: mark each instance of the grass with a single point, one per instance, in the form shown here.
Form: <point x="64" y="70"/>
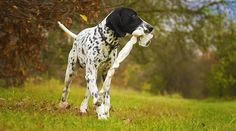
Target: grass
<point x="34" y="107"/>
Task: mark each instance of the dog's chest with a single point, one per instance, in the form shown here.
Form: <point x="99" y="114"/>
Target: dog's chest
<point x="97" y="46"/>
<point x="105" y="53"/>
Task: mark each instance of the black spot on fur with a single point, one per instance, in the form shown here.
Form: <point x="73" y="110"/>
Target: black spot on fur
<point x="83" y="51"/>
<point x="96" y="49"/>
<point x="90" y="40"/>
<point x="88" y="80"/>
<point x="108" y="59"/>
<point x="104" y="76"/>
<point x="63" y="100"/>
<point x="96" y="95"/>
<point x="97" y="104"/>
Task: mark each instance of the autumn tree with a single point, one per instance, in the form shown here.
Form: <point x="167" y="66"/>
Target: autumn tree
<point x="24" y="29"/>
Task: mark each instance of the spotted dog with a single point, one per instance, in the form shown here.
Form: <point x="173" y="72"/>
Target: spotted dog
<point x="95" y="49"/>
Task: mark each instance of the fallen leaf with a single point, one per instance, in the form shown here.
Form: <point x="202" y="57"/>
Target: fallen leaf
<point x="84" y="17"/>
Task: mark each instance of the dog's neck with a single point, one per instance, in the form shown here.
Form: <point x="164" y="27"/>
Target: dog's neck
<point x="105" y="33"/>
<point x="106" y="30"/>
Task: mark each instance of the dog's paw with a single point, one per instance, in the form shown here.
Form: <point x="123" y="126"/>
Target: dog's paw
<point x="106" y="110"/>
<point x="64" y="105"/>
<point x="82" y="110"/>
<point x="102" y="117"/>
<point x="101" y="112"/>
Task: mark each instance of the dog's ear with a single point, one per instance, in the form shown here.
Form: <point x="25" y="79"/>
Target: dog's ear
<point x="114" y="22"/>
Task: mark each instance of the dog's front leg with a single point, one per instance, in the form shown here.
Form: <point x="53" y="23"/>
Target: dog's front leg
<point x="84" y="104"/>
<point x="107" y="102"/>
<point x="91" y="77"/>
<point x="105" y="96"/>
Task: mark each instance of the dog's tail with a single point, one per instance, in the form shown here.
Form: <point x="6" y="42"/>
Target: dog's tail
<point x="66" y="30"/>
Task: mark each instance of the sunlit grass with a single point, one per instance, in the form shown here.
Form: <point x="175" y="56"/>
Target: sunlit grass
<point x="34" y="107"/>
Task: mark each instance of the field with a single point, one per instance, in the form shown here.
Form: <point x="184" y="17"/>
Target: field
<point x="34" y="107"/>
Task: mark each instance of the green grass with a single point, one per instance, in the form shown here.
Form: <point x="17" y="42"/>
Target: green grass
<point x="34" y="107"/>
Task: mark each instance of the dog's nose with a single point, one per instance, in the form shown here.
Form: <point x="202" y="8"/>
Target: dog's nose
<point x="150" y="28"/>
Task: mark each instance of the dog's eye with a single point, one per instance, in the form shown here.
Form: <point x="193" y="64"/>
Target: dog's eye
<point x="134" y="16"/>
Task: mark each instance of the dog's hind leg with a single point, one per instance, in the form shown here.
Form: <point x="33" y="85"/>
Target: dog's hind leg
<point x="70" y="72"/>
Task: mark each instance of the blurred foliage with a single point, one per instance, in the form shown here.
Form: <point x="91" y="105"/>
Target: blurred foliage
<point x="187" y="52"/>
<point x="192" y="53"/>
<point x="24" y="30"/>
<point x="222" y="79"/>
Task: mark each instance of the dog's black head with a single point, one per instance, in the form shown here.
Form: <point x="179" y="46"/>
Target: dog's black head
<point x="124" y="20"/>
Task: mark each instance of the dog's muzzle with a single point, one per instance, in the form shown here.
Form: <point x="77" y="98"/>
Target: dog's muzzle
<point x="148" y="29"/>
<point x="144" y="34"/>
